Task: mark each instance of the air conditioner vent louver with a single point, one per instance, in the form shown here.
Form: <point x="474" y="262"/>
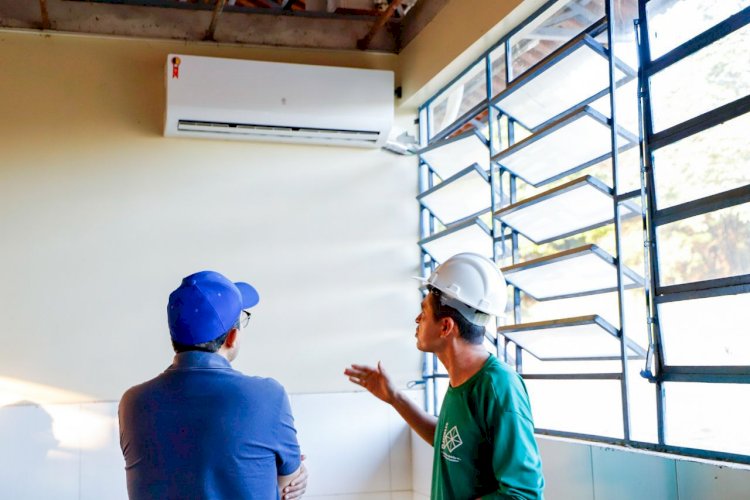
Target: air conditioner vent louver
<point x="252" y="100"/>
<point x="268" y="131"/>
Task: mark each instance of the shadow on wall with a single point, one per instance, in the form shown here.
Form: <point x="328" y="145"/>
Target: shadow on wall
<point x="30" y="455"/>
<point x="57" y="444"/>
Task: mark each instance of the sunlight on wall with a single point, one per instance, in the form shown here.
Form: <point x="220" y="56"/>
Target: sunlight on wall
<point x="75" y="427"/>
<point x="72" y="425"/>
<point x="13" y="391"/>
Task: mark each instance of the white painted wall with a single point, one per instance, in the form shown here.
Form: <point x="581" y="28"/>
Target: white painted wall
<point x="101" y="217"/>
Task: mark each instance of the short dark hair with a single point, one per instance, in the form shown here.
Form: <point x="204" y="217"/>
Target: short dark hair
<point x="468" y="331"/>
<point x="210" y="346"/>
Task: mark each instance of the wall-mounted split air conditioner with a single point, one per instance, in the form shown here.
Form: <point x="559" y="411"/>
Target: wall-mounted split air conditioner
<point x="251" y="100"/>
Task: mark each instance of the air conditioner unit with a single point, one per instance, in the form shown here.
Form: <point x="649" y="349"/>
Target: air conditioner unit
<point x="252" y="100"/>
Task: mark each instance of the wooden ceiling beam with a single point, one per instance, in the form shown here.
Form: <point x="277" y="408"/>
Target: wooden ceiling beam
<point x="364" y="43"/>
<point x="218" y="9"/>
<point x="272" y="4"/>
<point x="45" y="15"/>
<point x="289" y="4"/>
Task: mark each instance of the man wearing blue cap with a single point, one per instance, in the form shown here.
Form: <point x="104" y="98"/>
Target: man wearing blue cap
<point x="201" y="430"/>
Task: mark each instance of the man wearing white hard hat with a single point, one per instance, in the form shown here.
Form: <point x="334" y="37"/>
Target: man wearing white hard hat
<point x="484" y="437"/>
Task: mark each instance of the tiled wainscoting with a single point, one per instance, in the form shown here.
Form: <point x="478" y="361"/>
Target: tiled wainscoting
<point x="357" y="448"/>
<point x="592" y="472"/>
<point x="580" y="471"/>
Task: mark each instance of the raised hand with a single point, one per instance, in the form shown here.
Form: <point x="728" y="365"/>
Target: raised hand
<point x="375" y="380"/>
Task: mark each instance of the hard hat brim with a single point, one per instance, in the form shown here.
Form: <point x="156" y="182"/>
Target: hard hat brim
<point x="422" y="281"/>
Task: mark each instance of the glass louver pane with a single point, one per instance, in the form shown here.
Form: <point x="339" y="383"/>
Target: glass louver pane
<point x="465" y="194"/>
<point x="694" y="339"/>
<point x="560" y="22"/>
<point x="449" y="157"/>
<point x="574" y="74"/>
<point x="703" y="164"/>
<point x="586" y="406"/>
<point x="571" y="208"/>
<point x="695" y="16"/>
<point x="580" y="271"/>
<point x="570" y="339"/>
<point x="570" y="144"/>
<point x="627" y="106"/>
<point x="706" y="73"/>
<point x="708" y="416"/>
<point x="469" y="236"/>
<point x="458" y="99"/>
<point x="705" y="247"/>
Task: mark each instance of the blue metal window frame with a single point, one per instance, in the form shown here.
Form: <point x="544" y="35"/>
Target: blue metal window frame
<point x="657" y="371"/>
<point x="660" y="371"/>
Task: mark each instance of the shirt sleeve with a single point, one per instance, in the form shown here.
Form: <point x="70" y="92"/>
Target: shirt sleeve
<point x="287" y="452"/>
<point x="515" y="456"/>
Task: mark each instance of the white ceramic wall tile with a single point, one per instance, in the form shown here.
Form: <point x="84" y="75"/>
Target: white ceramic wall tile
<point x="351" y="496"/>
<point x="625" y="475"/>
<point x="698" y="481"/>
<point x="567" y="469"/>
<point x="102" y="465"/>
<point x="38" y="456"/>
<point x="358" y="448"/>
<point x="422" y="454"/>
<point x="401" y="495"/>
<point x="345" y="437"/>
<point x="400" y="446"/>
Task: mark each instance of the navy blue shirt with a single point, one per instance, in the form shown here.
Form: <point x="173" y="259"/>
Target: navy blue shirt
<point x="203" y="430"/>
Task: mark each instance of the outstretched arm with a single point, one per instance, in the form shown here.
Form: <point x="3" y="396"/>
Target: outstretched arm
<point x="377" y="382"/>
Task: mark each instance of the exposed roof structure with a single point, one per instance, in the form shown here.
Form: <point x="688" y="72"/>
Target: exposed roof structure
<point x="379" y="25"/>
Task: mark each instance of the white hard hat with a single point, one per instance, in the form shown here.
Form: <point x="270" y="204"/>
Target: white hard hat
<point x="473" y="280"/>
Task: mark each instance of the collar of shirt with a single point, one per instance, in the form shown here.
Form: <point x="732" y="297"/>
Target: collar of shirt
<point x="199" y="360"/>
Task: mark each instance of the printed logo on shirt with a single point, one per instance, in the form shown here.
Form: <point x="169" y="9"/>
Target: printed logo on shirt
<point x="451" y="441"/>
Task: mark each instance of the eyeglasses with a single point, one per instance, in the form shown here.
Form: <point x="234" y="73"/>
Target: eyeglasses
<point x="245" y="318"/>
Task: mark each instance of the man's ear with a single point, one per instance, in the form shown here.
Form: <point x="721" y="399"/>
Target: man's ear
<point x="231" y="338"/>
<point x="446" y="326"/>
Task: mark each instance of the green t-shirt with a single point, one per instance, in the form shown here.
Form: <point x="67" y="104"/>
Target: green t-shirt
<point x="484" y="440"/>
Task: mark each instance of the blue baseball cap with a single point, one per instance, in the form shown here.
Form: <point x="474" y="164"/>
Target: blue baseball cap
<point x="205" y="306"/>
